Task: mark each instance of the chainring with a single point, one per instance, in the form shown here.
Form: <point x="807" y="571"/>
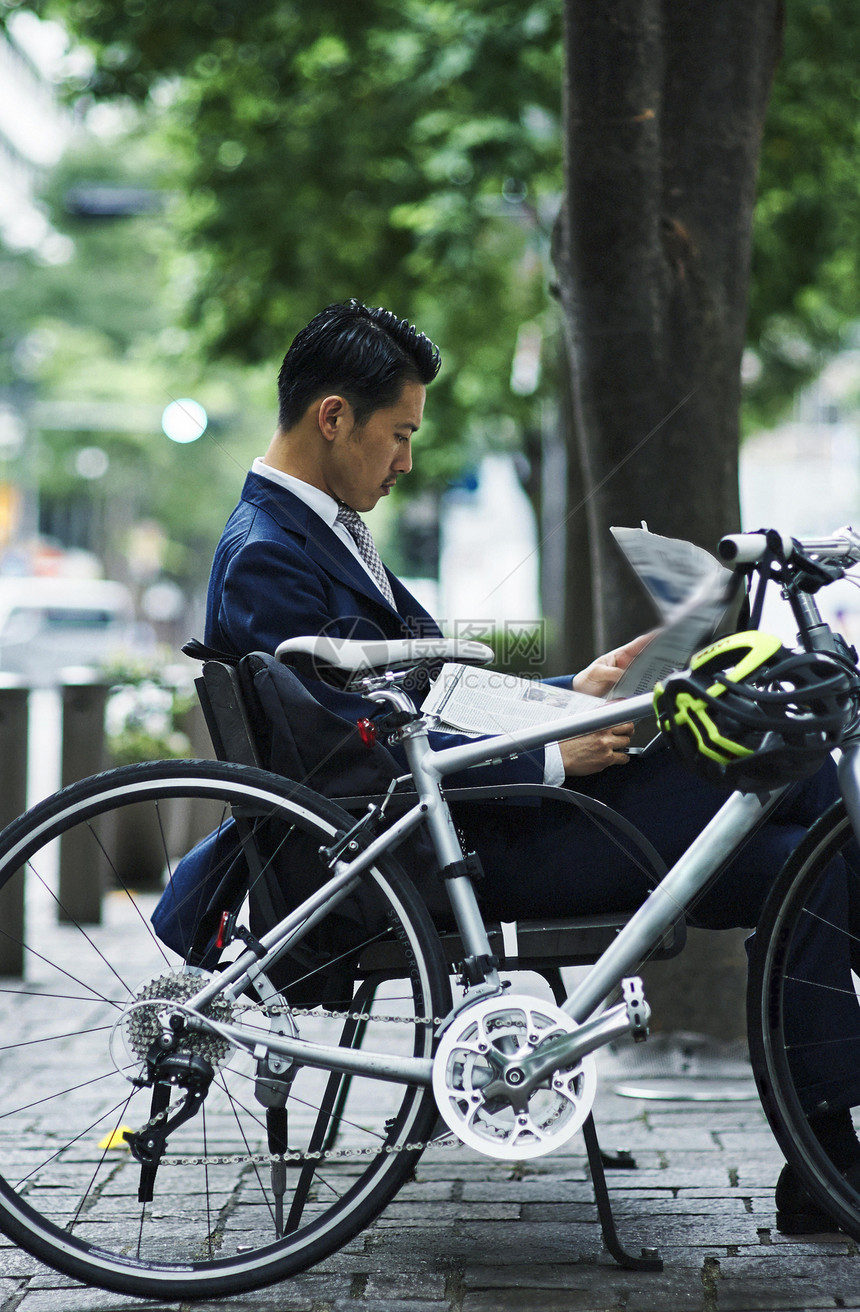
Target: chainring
<point x="473" y="1049"/>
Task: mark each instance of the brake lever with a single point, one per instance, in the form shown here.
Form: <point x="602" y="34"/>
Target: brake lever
<point x="813" y="575"/>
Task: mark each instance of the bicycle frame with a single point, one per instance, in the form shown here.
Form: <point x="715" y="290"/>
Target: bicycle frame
<point x="736" y="819"/>
<point x="284" y="1079"/>
<point x="715" y="845"/>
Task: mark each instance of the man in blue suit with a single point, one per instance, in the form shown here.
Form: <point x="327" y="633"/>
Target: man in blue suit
<point x="351" y="394"/>
<point x="296" y="559"/>
<point x="287" y="564"/>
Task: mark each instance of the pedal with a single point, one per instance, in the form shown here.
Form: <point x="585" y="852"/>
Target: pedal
<point x="638" y="1011"/>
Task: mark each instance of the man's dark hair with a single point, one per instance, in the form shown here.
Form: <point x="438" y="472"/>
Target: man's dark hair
<point x="362" y="354"/>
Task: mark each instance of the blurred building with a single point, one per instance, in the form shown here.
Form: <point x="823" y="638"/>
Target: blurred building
<point x="803" y="477"/>
<point x="488" y="566"/>
<point x="35" y="128"/>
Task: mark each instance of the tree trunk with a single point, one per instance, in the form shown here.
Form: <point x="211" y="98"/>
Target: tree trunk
<point x="664" y="106"/>
<point x="702" y="990"/>
<point x="564" y="556"/>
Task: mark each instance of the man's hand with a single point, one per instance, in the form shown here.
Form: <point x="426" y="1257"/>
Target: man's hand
<point x="601" y="676"/>
<point x="594" y="752"/>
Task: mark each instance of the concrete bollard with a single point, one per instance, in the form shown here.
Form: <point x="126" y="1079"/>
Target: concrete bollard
<point x="82" y="876"/>
<point x="14" y="729"/>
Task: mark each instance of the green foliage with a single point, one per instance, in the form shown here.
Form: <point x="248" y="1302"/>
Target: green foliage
<point x="102" y="328"/>
<point x="806" y="260"/>
<point x="403" y="151"/>
<point x="409" y="152"/>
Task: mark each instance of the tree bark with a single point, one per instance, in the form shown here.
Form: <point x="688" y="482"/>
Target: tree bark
<point x="565" y="557"/>
<point x="664" y="107"/>
<point x="704" y="989"/>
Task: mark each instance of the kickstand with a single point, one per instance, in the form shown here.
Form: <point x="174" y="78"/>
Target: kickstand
<point x="649" y="1261"/>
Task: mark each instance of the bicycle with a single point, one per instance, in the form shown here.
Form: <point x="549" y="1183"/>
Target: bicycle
<point x="231" y="1120"/>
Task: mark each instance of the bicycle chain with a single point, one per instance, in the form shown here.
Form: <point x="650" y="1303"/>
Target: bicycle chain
<point x="266" y="1159"/>
<point x="310" y="1013"/>
<point x="341" y="1154"/>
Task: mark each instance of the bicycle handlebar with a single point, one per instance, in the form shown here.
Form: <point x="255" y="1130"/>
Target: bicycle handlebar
<point x="738" y="549"/>
<point x="750" y="548"/>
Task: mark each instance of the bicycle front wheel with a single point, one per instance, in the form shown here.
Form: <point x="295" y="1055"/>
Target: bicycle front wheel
<point x="256" y="1169"/>
<point x="804" y="1012"/>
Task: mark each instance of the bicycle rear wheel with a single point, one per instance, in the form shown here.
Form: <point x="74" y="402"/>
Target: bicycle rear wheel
<point x="804" y="1012"/>
<point x="272" y="1170"/>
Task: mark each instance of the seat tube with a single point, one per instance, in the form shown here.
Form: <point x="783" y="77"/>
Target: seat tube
<point x="446" y="844"/>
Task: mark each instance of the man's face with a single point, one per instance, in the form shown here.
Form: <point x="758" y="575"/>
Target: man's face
<point x="364" y="461"/>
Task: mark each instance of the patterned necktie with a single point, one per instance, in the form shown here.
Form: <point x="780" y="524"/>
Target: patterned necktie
<point x="363" y="539"/>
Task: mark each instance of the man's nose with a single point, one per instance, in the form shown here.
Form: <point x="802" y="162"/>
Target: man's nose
<point x="403" y="459"/>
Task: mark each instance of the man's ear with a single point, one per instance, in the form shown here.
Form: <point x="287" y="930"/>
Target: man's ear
<point x="334" y="417"/>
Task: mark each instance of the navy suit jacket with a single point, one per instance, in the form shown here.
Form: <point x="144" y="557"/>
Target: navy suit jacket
<point x="280" y="572"/>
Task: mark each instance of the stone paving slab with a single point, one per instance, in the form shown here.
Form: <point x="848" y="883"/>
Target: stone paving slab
<point x="520" y="1251"/>
<point x="473" y="1235"/>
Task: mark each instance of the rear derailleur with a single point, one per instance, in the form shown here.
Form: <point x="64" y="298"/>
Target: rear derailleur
<point x="167" y="1070"/>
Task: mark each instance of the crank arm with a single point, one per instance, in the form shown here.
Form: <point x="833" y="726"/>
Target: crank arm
<point x="567" y="1049"/>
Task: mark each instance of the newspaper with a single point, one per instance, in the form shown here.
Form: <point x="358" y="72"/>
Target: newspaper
<point x="476" y="701"/>
<point x="694" y="596"/>
<point x="670" y="569"/>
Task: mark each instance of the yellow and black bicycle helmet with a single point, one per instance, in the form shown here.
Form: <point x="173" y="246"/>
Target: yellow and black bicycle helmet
<point x="751" y="715"/>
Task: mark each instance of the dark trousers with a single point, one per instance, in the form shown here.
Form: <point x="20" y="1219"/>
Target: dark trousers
<point x="552" y="860"/>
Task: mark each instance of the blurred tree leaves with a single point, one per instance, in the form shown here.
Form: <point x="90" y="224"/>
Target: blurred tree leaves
<point x="409" y="152"/>
<point x="101" y="329"/>
<point x="402" y="151"/>
<point x="806" y="261"/>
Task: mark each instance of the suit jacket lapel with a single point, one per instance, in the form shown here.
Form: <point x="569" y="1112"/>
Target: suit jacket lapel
<point x="326" y="548"/>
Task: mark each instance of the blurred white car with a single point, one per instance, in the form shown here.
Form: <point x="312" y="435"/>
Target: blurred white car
<point x="48" y="624"/>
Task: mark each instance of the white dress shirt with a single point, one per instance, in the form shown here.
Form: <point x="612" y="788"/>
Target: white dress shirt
<point x="320" y="503"/>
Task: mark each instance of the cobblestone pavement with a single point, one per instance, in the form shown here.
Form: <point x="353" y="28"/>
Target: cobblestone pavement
<point x="471" y="1235"/>
<point x="474" y="1235"/>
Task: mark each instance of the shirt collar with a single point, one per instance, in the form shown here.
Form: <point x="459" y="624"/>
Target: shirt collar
<point x="320" y="502"/>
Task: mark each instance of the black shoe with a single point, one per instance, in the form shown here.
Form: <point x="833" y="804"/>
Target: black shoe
<point x="797" y="1212"/>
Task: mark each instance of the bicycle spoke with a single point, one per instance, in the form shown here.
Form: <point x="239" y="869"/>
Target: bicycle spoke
<point x="804" y="1017"/>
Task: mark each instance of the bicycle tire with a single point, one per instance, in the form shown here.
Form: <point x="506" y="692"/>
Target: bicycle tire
<point x="68" y="1185"/>
<point x="804" y="1067"/>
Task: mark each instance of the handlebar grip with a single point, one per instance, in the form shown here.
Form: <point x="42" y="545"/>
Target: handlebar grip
<point x="749" y="548"/>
